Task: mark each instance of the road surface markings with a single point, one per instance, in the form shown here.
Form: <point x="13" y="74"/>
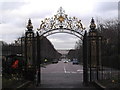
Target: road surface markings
<point x="73" y="72"/>
<point x="80" y="70"/>
<point x="67" y="72"/>
<point x="65" y="69"/>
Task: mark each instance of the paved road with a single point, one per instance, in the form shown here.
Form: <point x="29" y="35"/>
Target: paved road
<point x="62" y="75"/>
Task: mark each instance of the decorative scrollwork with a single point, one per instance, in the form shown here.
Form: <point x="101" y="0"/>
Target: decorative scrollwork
<point x="61" y="21"/>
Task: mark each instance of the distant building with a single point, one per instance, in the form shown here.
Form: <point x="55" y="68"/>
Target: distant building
<point x="64" y="53"/>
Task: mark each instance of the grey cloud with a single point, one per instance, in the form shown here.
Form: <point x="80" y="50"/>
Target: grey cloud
<point x="21" y="21"/>
<point x="106" y="6"/>
<point x="63" y="41"/>
<point x="63" y="45"/>
<point x="9" y="38"/>
<point x="15" y="21"/>
<point x="39" y="15"/>
<point x="62" y="37"/>
<point x="11" y="5"/>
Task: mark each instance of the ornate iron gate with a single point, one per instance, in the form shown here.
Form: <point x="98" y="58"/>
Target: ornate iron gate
<point x="61" y="23"/>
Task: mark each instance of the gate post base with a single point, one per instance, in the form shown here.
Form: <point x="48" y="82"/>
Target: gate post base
<point x="85" y="83"/>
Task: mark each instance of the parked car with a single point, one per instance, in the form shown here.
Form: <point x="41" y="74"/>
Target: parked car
<point x="75" y="62"/>
<point x="65" y="61"/>
<point x="58" y="59"/>
<point x="69" y="60"/>
<point x="55" y="61"/>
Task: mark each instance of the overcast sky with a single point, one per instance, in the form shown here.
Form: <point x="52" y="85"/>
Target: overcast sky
<point x="14" y="15"/>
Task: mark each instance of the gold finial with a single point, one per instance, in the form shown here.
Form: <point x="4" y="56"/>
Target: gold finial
<point x="92" y="25"/>
<point x="29" y="26"/>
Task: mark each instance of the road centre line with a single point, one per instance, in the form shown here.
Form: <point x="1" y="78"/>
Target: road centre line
<point x="65" y="69"/>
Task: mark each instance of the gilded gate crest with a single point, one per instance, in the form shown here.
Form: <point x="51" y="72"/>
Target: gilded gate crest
<point x="61" y="21"/>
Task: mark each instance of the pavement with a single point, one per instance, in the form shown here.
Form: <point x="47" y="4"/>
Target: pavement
<point x="0" y="82"/>
<point x="62" y="75"/>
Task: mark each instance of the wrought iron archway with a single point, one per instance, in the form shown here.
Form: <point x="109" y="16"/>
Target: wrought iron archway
<point x="61" y="23"/>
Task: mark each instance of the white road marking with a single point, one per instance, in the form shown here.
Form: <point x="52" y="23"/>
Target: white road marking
<point x="73" y="72"/>
<point x="80" y="70"/>
<point x="65" y="69"/>
<point x="67" y="72"/>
